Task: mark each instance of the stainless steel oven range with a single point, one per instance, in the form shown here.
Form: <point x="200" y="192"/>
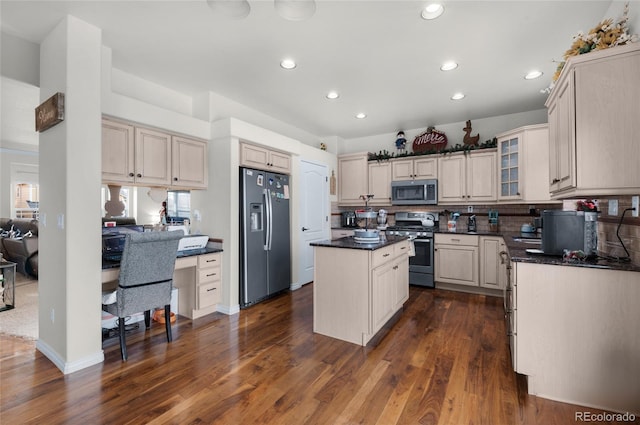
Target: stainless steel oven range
<point x="419" y="226"/>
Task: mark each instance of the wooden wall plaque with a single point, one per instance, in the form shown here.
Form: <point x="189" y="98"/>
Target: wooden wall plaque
<point x="50" y="112"/>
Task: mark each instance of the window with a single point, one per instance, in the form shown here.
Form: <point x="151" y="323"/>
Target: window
<point x="178" y="205"/>
<point x="27" y="200"/>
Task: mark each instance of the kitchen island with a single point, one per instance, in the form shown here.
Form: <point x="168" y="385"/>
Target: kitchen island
<point x="358" y="287"/>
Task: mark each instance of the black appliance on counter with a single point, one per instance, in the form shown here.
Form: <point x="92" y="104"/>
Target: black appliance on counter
<point x="419" y="226"/>
<point x="349" y="219"/>
<point x="113" y="240"/>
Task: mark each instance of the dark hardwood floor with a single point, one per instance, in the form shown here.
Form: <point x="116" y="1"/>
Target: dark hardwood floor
<point x="445" y="361"/>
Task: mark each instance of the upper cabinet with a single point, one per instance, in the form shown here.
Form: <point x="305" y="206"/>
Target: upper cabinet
<point x="189" y="161"/>
<point x="353" y="178"/>
<point x="380" y="182"/>
<point x="523" y="158"/>
<point x="147" y="157"/>
<point x="118" y="160"/>
<point x="410" y="169"/>
<point x="264" y="159"/>
<point x="594" y="125"/>
<point x="152" y="157"/>
<point x="467" y="177"/>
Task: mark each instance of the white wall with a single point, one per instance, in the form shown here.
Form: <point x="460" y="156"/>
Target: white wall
<point x="19" y="59"/>
<point x="487" y="128"/>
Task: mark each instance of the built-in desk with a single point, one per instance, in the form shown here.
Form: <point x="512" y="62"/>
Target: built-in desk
<point x="197" y="277"/>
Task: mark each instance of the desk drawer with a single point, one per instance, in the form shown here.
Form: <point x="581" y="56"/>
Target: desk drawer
<point x="209" y="260"/>
<point x="208" y="295"/>
<point x="209" y="275"/>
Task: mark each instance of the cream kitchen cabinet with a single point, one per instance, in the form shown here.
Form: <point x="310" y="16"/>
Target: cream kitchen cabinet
<point x="341" y="233"/>
<point x="147" y="157"/>
<point x="353" y="178"/>
<point x="380" y="182"/>
<point x="118" y="159"/>
<point x="493" y="273"/>
<point x="467" y="177"/>
<point x="189" y="163"/>
<point x="523" y="158"/>
<point x="209" y="281"/>
<point x="253" y="156"/>
<point x="593" y="125"/>
<point x="371" y="286"/>
<point x="410" y="169"/>
<point x="456" y="259"/>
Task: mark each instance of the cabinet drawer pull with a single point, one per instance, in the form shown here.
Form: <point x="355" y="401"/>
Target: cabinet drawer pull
<point x="395" y="267"/>
<point x="211" y="289"/>
<point x="209" y="261"/>
<point x="211" y="274"/>
<point x="455" y="240"/>
<point x="404" y="247"/>
<point x="386" y="255"/>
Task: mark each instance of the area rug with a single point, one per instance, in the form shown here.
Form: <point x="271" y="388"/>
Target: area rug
<point x="22" y="321"/>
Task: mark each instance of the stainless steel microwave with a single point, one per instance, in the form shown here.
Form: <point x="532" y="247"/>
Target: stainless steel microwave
<point x="414" y="192"/>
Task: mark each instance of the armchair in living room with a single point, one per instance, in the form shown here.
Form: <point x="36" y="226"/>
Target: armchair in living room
<point x="19" y="243"/>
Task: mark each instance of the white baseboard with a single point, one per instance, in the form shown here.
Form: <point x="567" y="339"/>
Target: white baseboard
<point x="68" y="367"/>
<point x="228" y="310"/>
<point x="295" y="286"/>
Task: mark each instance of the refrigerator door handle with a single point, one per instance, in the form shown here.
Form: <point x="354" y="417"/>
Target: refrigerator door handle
<point x="270" y="219"/>
<point x="267" y="206"/>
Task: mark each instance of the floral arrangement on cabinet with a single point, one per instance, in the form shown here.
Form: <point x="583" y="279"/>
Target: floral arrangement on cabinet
<point x="604" y="35"/>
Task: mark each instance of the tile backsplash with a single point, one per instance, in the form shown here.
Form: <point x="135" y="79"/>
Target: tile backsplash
<point x="513" y="216"/>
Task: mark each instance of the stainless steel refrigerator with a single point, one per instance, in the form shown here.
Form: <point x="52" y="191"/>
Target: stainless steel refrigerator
<point x="265" y="246"/>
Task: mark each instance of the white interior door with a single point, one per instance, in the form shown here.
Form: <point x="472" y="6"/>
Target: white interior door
<point x="314" y="213"/>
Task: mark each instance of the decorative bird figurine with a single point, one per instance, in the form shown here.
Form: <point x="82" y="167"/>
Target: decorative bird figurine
<point x="468" y="139"/>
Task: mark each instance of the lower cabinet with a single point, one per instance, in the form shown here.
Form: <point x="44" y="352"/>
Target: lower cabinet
<point x="456" y="259"/>
<point x="209" y="279"/>
<point x="493" y="273"/>
<point x="470" y="261"/>
<point x="356" y="291"/>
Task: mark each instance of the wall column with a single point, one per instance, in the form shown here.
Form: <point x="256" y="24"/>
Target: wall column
<point x="70" y="210"/>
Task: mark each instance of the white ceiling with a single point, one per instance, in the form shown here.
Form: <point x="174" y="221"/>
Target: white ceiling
<point x="380" y="56"/>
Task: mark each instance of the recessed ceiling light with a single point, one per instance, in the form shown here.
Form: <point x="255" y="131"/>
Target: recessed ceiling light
<point x="333" y="95"/>
<point x="531" y="75"/>
<point x="432" y="11"/>
<point x="361" y="115"/>
<point x="288" y="64"/>
<point x="457" y="96"/>
<point x="448" y="66"/>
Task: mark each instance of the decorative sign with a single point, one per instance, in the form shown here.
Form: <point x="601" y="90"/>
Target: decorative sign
<point x="429" y="141"/>
<point x="50" y="112"/>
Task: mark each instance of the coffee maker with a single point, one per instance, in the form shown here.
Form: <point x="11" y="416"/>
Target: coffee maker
<point x="349" y="219"/>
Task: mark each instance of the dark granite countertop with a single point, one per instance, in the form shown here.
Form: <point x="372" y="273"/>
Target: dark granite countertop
<point x="115" y="264"/>
<point x="350" y="243"/>
<point x="517" y="247"/>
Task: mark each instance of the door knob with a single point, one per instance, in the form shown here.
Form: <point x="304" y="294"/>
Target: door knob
<point x="304" y="229"/>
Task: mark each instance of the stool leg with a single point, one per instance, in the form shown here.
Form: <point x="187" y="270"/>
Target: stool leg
<point x="167" y="321"/>
<point x="123" y="342"/>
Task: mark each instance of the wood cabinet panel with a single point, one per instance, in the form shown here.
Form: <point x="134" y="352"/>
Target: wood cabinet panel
<point x="592" y="142"/>
<point x="152" y="157"/>
<point x="380" y="183"/>
<point x="259" y="157"/>
<point x="353" y="178"/>
<point x="118" y="146"/>
<point x="189" y="161"/>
